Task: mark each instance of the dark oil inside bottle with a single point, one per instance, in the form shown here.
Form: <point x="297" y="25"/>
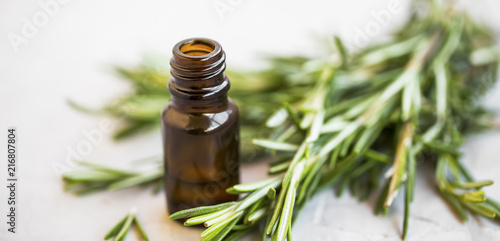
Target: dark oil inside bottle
<point x="200" y="128"/>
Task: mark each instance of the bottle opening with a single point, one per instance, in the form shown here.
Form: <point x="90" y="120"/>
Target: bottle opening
<point x="197" y="48"/>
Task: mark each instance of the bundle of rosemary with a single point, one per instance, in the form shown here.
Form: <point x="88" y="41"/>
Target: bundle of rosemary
<point x="370" y="115"/>
<point x="359" y="122"/>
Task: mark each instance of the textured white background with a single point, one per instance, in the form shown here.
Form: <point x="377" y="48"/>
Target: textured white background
<point x="72" y="57"/>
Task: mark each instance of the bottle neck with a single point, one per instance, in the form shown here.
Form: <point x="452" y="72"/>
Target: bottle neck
<point x="197" y="82"/>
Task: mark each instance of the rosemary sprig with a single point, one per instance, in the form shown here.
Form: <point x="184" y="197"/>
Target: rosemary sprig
<point x="419" y="90"/>
<point x="120" y="230"/>
<point x="94" y="177"/>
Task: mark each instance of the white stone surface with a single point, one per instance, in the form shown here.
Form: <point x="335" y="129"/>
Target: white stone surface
<point x="71" y="57"/>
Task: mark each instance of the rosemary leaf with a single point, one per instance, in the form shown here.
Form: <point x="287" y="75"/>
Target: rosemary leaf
<point x="201" y="210"/>
<point x="272" y="145"/>
<point x="126" y="225"/>
<point x="114" y="231"/>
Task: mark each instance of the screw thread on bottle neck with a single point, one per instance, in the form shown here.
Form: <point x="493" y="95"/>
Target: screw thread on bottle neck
<point x="197" y="75"/>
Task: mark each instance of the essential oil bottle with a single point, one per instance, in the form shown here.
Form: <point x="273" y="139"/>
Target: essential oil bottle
<point x="200" y="128"/>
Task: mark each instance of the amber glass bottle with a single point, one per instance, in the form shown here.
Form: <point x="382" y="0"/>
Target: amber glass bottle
<point x="200" y="128"/>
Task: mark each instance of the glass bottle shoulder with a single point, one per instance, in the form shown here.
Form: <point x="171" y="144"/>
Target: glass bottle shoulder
<point x="200" y="122"/>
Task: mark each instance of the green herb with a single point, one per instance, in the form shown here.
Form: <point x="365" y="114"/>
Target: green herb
<point x="94" y="177"/>
<point x="120" y="230"/>
<point x="376" y="113"/>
